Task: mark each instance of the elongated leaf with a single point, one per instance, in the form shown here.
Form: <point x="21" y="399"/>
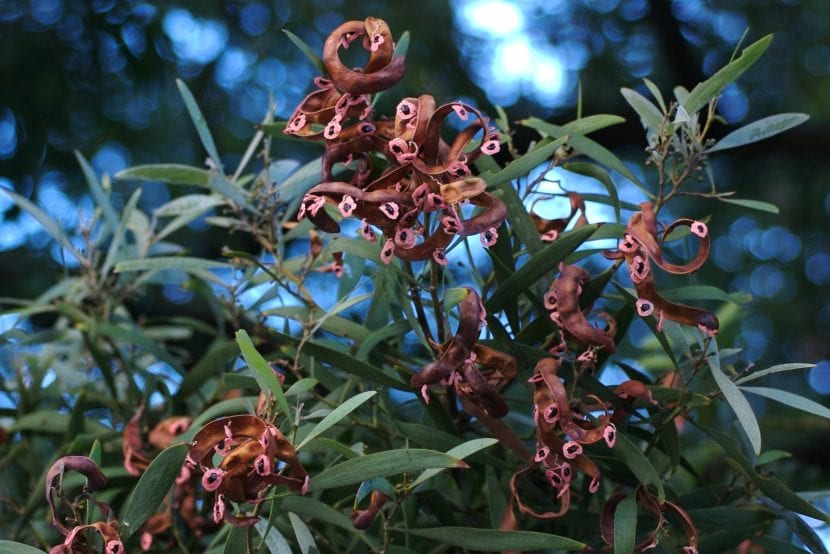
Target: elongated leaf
<point x="586" y="146"/>
<point x="337" y="415"/>
<point x="598" y="173"/>
<point x="172" y="174"/>
<point x="752" y="204"/>
<point x="49" y="421"/>
<point x="706" y="292"/>
<point x="304" y="537"/>
<point x="590" y="123"/>
<point x="220" y="184"/>
<point x="382" y="464"/>
<point x="771" y="456"/>
<point x="187" y="204"/>
<point x="49" y="225"/>
<point x="322" y="512"/>
<point x="118" y="234"/>
<point x="625" y="526"/>
<point x="759" y="130"/>
<point x="655" y="92"/>
<point x="169" y="262"/>
<point x="199" y="122"/>
<point x="687" y="398"/>
<point x="272" y="538"/>
<point x="262" y="370"/>
<point x="790" y="399"/>
<point x="376" y="337"/>
<point x="739" y="404"/>
<point x="347" y="362"/>
<point x="341" y="306"/>
<point x="236" y="541"/>
<point x="639" y="465"/>
<point x="711" y="87"/>
<point x="296" y="184"/>
<point x="492" y="540"/>
<point x="307" y="50"/>
<point x="211" y="364"/>
<point x="650" y="116"/>
<point x="461" y="451"/>
<point x="523" y="165"/>
<point x="544" y="261"/>
<point x="11" y="547"/>
<point x="98" y="193"/>
<point x="151" y="489"/>
<point x="772" y="369"/>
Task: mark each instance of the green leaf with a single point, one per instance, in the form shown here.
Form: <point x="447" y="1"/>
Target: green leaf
<point x="639" y="465"/>
<point x="584" y="145"/>
<point x="382" y="464"/>
<point x="461" y="451"/>
<point x="598" y="173"/>
<point x="49" y="225"/>
<point x="272" y="538"/>
<point x="211" y="364"/>
<point x="650" y="116"/>
<point x="751" y="204"/>
<point x="187" y="204"/>
<point x="172" y="174"/>
<point x="118" y="235"/>
<point x="220" y="184"/>
<point x="625" y="526"/>
<point x="346" y="362"/>
<point x="759" y="130"/>
<point x="771" y="456"/>
<point x="793" y="400"/>
<point x="670" y="394"/>
<point x="11" y="547"/>
<point x="262" y="370"/>
<point x="711" y="87"/>
<point x="590" y="123"/>
<point x="738" y="402"/>
<point x="402" y="46"/>
<point x="199" y="122"/>
<point x="296" y="184"/>
<point x="706" y="292"/>
<point x="151" y="489"/>
<point x="523" y="165"/>
<point x="305" y="540"/>
<point x="772" y="369"/>
<point x="542" y="262"/>
<point x="492" y="540"/>
<point x="655" y="92"/>
<point x="336" y="415"/>
<point x="49" y="421"/>
<point x="98" y="193"/>
<point x="376" y="337"/>
<point x="307" y="50"/>
<point x="322" y="512"/>
<point x="169" y="262"/>
<point x="301" y="386"/>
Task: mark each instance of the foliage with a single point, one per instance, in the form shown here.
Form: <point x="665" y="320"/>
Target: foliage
<point x="438" y="381"/>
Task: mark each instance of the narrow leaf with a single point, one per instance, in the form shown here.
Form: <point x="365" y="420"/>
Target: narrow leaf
<point x="639" y="465"/>
<point x="272" y="538"/>
<point x="262" y="370"/>
<point x="98" y="193"/>
<point x="752" y="204"/>
<point x="461" y="451"/>
<point x="172" y="174"/>
<point x="542" y="262"/>
<point x="711" y="87"/>
<point x="304" y="537"/>
<point x="655" y="92"/>
<point x="11" y="547"/>
<point x="625" y="526"/>
<point x="199" y="122"/>
<point x="307" y="50"/>
<point x="382" y="464"/>
<point x="151" y="489"/>
<point x="790" y="399"/>
<point x="773" y="369"/>
<point x="598" y="173"/>
<point x="169" y="262"/>
<point x="650" y="116"/>
<point x="220" y="184"/>
<point x="760" y="130"/>
<point x="492" y="540"/>
<point x="49" y="225"/>
<point x="739" y="404"/>
<point x="118" y="235"/>
<point x="336" y="415"/>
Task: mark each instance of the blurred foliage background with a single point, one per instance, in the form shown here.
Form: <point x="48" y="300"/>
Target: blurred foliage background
<point x="98" y="76"/>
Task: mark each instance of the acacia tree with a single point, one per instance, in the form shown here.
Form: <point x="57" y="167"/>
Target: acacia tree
<point x="413" y="358"/>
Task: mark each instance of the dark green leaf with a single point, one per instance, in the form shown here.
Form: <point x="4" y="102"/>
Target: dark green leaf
<point x="381" y="464"/>
<point x="543" y="262"/>
<point x="790" y="399"/>
<point x="738" y="402"/>
<point x="751" y="204"/>
<point x="11" y="547"/>
<point x="151" y="489"/>
<point x="598" y="173"/>
<point x="711" y="87"/>
<point x="650" y="116"/>
<point x="336" y="415"/>
<point x="169" y="262"/>
<point x="49" y="421"/>
<point x="625" y="526"/>
<point x="461" y="451"/>
<point x="639" y="465"/>
<point x="200" y="123"/>
<point x="706" y="292"/>
<point x="493" y="540"/>
<point x="760" y="130"/>
<point x="773" y="369"/>
<point x="172" y="174"/>
<point x="771" y="456"/>
<point x="98" y="193"/>
<point x="211" y="364"/>
<point x="262" y="370"/>
<point x="307" y="50"/>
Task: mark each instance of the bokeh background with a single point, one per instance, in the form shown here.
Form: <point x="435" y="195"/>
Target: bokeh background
<point x="99" y="76"/>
